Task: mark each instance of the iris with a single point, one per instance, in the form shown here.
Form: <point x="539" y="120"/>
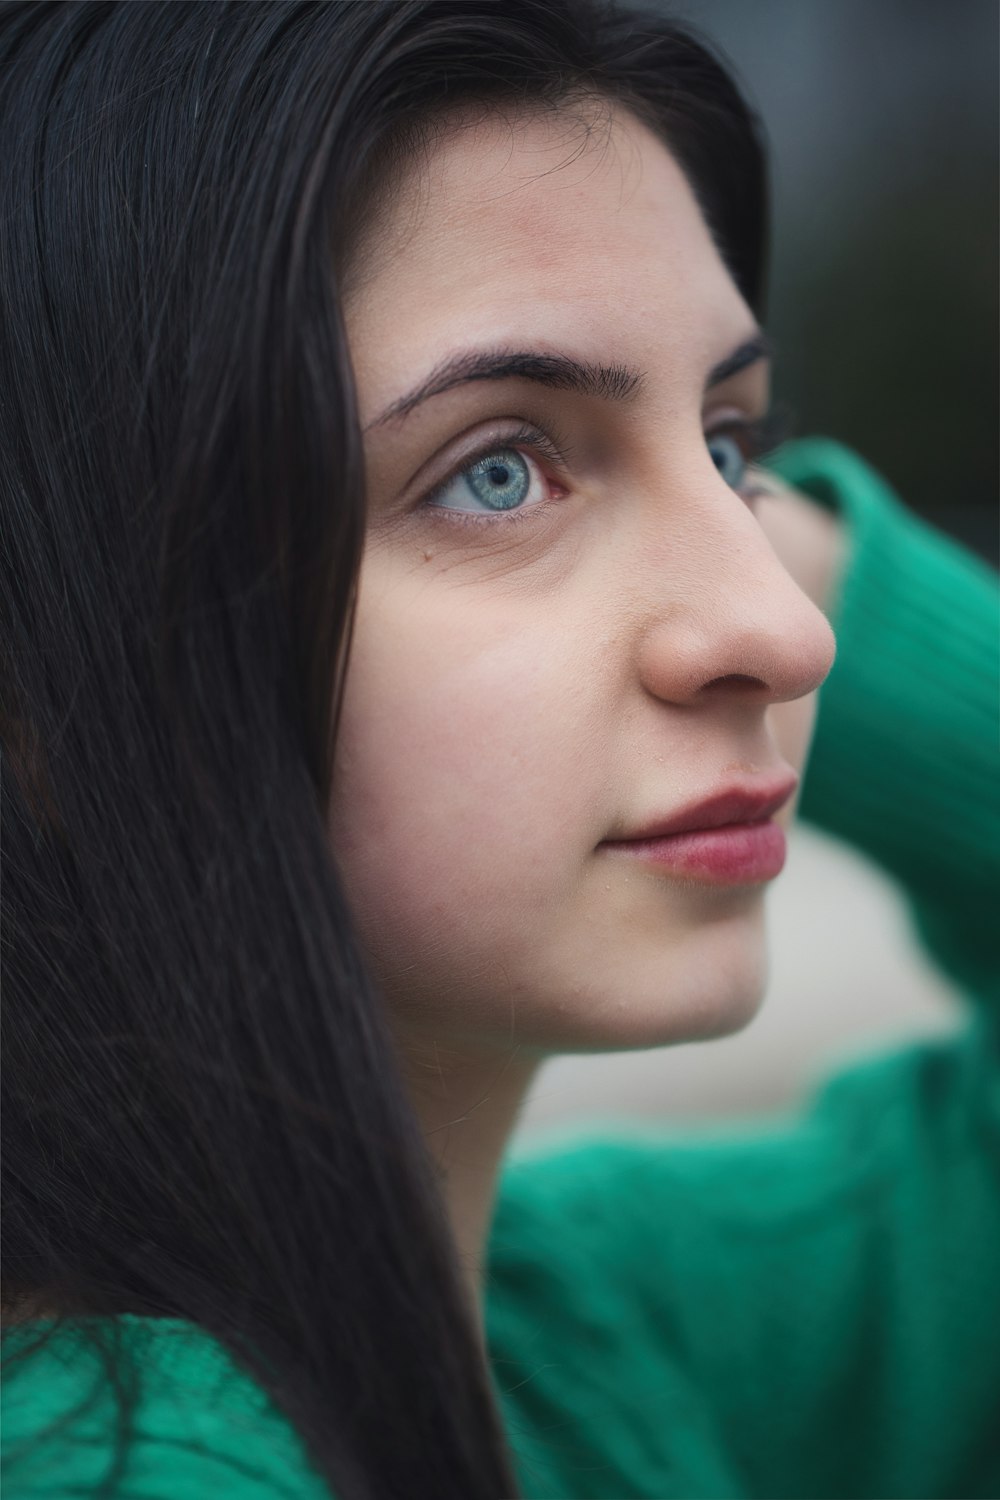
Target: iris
<point x="727" y="455"/>
<point x="500" y="480"/>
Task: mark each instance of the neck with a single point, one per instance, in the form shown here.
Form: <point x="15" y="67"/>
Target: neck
<point x="468" y="1108"/>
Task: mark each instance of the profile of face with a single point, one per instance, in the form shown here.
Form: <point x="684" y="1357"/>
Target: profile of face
<point x="571" y="624"/>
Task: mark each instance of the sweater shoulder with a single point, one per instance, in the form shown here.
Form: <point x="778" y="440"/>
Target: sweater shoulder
<point x="142" y="1407"/>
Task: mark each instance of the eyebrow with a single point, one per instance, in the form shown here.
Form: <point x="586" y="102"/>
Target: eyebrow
<point x="616" y="382"/>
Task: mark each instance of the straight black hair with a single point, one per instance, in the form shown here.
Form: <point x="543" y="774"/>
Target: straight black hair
<point x="204" y="1114"/>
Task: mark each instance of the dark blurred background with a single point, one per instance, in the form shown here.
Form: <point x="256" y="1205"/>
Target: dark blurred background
<point x="882" y="117"/>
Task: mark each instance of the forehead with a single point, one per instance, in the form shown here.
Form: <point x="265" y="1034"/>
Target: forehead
<point x="518" y="224"/>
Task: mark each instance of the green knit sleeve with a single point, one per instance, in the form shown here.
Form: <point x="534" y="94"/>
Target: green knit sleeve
<point x="905" y="764"/>
<point x="196" y="1425"/>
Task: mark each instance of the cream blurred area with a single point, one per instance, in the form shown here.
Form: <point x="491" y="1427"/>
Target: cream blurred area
<point x="847" y="979"/>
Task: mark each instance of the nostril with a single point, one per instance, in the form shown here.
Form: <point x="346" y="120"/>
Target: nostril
<point x="734" y="677"/>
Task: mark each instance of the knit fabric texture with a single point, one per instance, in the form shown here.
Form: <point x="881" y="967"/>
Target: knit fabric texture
<point x="806" y="1305"/>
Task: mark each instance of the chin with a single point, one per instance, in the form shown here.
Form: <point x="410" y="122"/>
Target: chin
<point x="709" y="984"/>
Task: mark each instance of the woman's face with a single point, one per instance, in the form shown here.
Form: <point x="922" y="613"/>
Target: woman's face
<point x="570" y="623"/>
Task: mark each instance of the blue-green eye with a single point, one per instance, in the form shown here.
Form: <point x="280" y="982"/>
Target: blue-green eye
<point x="500" y="480"/>
<point x="727" y="455"/>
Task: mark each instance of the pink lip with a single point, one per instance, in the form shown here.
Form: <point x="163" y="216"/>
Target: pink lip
<point x="745" y="803"/>
<point x="726" y="839"/>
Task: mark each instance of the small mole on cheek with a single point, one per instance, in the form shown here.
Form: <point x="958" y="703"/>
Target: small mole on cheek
<point x="428" y="556"/>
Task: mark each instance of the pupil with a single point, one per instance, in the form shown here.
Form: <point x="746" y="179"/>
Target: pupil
<point x="499" y="474"/>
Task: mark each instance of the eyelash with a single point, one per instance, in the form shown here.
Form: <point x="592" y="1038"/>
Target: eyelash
<point x="759" y="438"/>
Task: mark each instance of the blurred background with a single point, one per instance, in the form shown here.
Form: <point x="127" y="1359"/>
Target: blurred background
<point x="883" y="121"/>
<point x="884" y="127"/>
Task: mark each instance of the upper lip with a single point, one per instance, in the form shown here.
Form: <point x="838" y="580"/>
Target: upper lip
<point x="737" y="802"/>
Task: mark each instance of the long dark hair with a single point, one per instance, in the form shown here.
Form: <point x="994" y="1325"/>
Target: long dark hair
<point x="204" y="1114"/>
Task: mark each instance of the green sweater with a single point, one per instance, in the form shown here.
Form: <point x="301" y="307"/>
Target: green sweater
<point x="804" y="1307"/>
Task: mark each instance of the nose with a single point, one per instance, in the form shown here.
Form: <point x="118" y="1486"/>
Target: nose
<point x="727" y="620"/>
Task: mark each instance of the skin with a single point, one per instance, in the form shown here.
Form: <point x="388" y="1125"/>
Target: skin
<point x="520" y="690"/>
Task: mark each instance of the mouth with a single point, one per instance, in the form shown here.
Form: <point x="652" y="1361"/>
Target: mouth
<point x="726" y="838"/>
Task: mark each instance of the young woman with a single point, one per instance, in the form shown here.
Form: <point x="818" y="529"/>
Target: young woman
<point x="407" y="675"/>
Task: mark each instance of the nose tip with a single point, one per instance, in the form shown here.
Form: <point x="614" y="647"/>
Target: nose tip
<point x="754" y="636"/>
<point x="784" y="653"/>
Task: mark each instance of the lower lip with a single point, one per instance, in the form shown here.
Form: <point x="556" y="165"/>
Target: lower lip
<point x="736" y="854"/>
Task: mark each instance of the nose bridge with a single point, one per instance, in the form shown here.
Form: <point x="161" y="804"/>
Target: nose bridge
<point x="732" y="616"/>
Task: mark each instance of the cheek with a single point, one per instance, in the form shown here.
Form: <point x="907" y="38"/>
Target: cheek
<point x="460" y="777"/>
